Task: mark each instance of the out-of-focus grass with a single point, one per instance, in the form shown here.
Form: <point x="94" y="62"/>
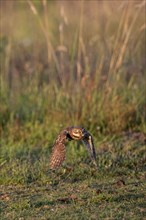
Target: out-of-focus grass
<point x="72" y="63"/>
<point x="86" y="69"/>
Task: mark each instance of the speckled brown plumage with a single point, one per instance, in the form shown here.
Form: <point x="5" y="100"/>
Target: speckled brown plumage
<point x="70" y="133"/>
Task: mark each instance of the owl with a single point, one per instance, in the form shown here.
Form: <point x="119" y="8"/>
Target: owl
<point x="70" y="133"/>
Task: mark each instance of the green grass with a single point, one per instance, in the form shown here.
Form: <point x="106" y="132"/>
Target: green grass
<point x="85" y="200"/>
<point x="29" y="190"/>
<point x="60" y="68"/>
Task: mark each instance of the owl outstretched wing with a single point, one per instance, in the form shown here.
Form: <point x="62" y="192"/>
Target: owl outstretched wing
<point x="88" y="141"/>
<point x="57" y="156"/>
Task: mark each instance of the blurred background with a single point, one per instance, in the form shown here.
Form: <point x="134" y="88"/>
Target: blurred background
<point x="65" y="63"/>
<point x="71" y="63"/>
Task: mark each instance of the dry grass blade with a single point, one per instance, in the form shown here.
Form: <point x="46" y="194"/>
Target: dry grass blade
<point x="45" y="29"/>
<point x="125" y="42"/>
<point x="32" y="7"/>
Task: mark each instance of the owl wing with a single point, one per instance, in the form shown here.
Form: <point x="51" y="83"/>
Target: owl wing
<point x="57" y="156"/>
<point x="88" y="141"/>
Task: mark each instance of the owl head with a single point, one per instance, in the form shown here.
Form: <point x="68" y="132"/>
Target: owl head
<point x="76" y="133"/>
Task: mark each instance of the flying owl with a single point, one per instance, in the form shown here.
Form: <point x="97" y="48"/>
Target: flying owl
<point x="70" y="133"/>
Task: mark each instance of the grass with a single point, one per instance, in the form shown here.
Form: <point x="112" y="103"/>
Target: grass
<point x="82" y="201"/>
<point x="29" y="190"/>
<point x="58" y="70"/>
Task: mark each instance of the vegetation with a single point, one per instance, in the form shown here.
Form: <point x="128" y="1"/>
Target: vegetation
<point x="73" y="63"/>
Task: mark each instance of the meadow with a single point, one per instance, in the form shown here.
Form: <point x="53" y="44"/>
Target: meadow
<point x="67" y="63"/>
